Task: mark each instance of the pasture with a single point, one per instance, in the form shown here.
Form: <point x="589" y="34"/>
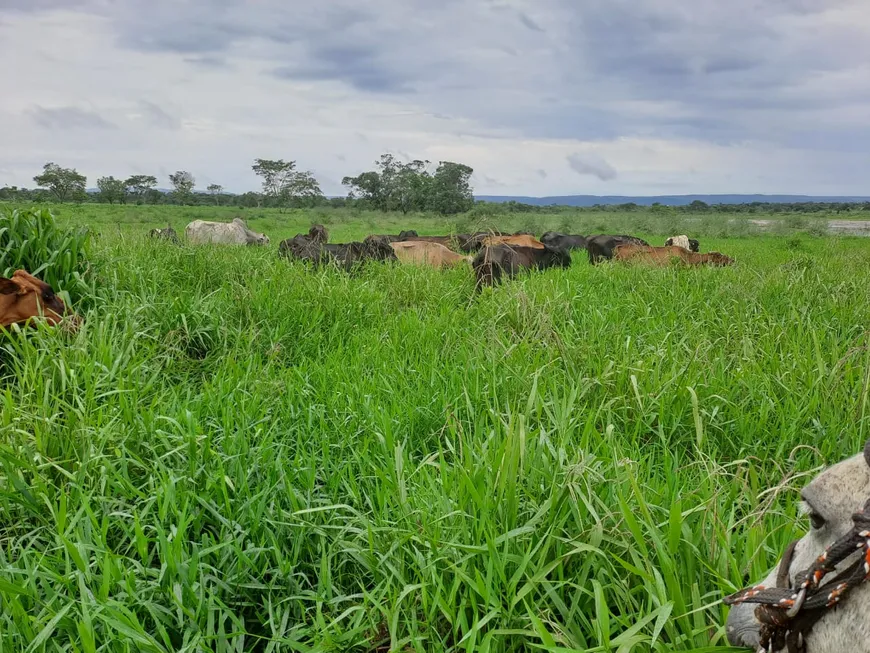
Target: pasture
<point x="238" y="453"/>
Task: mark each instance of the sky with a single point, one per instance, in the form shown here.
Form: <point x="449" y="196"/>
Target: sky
<point x="543" y="97"/>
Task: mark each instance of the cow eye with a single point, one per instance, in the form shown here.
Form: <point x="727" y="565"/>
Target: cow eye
<point x="817" y="521"/>
<point x="48" y="295"/>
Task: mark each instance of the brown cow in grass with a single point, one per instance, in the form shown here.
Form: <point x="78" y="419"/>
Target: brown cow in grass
<point x="446" y="241"/>
<point x="662" y="256"/>
<point x="496" y="261"/>
<point x="521" y="240"/>
<point x="24" y="298"/>
<point x="420" y="252"/>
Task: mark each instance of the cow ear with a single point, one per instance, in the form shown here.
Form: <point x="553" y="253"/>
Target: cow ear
<point x="867" y="452"/>
<point x="8" y="286"/>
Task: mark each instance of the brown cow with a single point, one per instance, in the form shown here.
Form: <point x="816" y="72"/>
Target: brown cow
<point x="447" y="241"/>
<point x="427" y="253"/>
<point x="473" y="242"/>
<point x="515" y="241"/>
<point x="24" y="298"/>
<point x="664" y="255"/>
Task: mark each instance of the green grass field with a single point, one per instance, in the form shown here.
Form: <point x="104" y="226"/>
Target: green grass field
<point x="237" y="453"/>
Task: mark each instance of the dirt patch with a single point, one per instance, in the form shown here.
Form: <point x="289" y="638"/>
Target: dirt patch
<point x="845" y="227"/>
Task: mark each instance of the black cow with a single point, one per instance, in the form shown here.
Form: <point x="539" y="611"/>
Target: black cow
<point x="350" y="255"/>
<point x="165" y="234"/>
<point x="304" y="248"/>
<point x="564" y="241"/>
<point x="602" y="246"/>
<point x="403" y="236"/>
<point x="346" y="255"/>
<point x="307" y="247"/>
<point x="497" y="261"/>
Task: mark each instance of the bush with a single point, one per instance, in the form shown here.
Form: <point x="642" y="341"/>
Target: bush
<point x="31" y="240"/>
<point x="795" y="222"/>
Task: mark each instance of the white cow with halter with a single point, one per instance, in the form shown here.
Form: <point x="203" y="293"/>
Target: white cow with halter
<point x="831" y="500"/>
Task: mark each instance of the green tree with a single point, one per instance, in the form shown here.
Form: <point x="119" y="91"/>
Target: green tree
<point x="286" y="185"/>
<point x="63" y="183"/>
<point x="302" y="189"/>
<point x="275" y="174"/>
<point x="250" y="200"/>
<point x="367" y="188"/>
<point x="395" y="186"/>
<point x="215" y="190"/>
<point x="140" y="185"/>
<point x="182" y="183"/>
<point x="451" y="188"/>
<point x="412" y="186"/>
<point x="112" y="190"/>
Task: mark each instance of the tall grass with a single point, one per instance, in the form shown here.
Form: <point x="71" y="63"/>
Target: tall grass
<point x="30" y="239"/>
<point x="237" y="453"/>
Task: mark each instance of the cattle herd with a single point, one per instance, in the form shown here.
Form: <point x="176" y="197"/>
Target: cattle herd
<point x="493" y="255"/>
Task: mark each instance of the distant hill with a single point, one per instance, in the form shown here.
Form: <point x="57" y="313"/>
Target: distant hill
<point x="668" y="200"/>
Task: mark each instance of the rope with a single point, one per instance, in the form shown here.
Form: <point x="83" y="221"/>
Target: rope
<point x="787" y="614"/>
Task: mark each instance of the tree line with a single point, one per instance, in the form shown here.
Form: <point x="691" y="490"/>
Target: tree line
<point x="392" y="186"/>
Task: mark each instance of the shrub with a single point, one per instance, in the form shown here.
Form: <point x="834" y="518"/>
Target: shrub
<point x="817" y="228"/>
<point x="31" y="240"/>
<point x="795" y="222"/>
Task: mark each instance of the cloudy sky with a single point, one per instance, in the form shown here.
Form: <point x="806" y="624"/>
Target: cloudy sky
<point x="540" y="97"/>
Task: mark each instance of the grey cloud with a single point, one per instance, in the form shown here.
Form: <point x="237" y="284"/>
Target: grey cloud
<point x="158" y="117"/>
<point x="776" y="72"/>
<point x="542" y="173"/>
<point x="68" y="118"/>
<point x="591" y="165"/>
<point x="528" y="22"/>
<point x="207" y="61"/>
<point x="39" y="5"/>
<point x="357" y="65"/>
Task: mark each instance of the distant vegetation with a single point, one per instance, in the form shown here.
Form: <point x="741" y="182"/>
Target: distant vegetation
<point x="392" y="186"/>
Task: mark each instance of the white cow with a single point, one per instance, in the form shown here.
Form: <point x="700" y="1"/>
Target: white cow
<point x="830" y="500"/>
<point x="678" y="241"/>
<point x="236" y="232"/>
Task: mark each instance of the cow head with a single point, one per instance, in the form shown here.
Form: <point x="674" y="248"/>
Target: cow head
<point x="24" y="298"/>
<point x="829" y="500"/>
<point x="379" y="249"/>
<point x="555" y="257"/>
<point x="318" y="233"/>
<point x="717" y="258"/>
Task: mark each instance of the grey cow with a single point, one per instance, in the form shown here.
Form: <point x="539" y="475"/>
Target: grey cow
<point x="236" y="232"/>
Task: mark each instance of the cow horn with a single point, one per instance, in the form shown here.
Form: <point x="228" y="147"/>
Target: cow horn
<point x="867" y="452"/>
